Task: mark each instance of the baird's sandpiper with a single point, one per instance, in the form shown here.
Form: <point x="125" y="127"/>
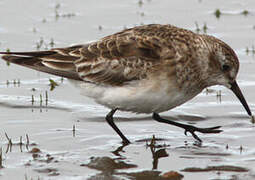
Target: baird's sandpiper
<point x="145" y="69"/>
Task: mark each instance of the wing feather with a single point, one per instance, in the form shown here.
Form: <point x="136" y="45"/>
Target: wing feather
<point x="113" y="60"/>
<point x="120" y="58"/>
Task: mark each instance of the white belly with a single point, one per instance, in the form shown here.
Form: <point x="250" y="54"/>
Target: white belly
<point x="136" y="97"/>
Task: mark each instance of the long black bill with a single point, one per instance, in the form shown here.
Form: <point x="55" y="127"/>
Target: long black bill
<point x="235" y="88"/>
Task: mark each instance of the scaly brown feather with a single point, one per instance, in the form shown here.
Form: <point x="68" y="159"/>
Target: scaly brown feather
<point x="129" y="55"/>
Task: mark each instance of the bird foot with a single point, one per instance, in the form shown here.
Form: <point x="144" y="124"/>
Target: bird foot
<point x="193" y="129"/>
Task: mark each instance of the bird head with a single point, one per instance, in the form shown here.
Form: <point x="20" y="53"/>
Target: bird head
<point x="224" y="66"/>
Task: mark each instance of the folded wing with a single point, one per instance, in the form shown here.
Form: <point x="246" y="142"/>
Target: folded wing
<point x="120" y="58"/>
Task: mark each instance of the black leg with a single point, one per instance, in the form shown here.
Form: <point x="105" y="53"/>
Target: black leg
<point x="109" y="119"/>
<point x="188" y="128"/>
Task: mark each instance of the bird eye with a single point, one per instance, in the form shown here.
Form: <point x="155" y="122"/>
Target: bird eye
<point x="225" y="67"/>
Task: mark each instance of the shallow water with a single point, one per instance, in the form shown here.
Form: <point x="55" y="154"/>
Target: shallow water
<point x="65" y="153"/>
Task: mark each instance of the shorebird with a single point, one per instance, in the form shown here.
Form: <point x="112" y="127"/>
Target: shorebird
<point x="145" y="69"/>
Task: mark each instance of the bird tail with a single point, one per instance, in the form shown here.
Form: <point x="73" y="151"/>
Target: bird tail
<point x="53" y="62"/>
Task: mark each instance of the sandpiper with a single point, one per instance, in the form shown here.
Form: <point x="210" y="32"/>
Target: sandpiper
<point x="145" y="69"/>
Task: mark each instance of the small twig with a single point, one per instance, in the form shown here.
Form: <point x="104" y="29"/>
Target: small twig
<point x="73" y="130"/>
<point x="41" y="100"/>
<point x="9" y="146"/>
<point x="152" y="143"/>
<point x="18" y="82"/>
<point x="241" y="149"/>
<point x="46" y="95"/>
<point x="197" y="27"/>
<point x="7" y="136"/>
<point x="20" y="143"/>
<point x="52" y="43"/>
<point x="218" y="96"/>
<point x="27" y="139"/>
<point x="227" y="147"/>
<point x="205" y="28"/>
<point x="7" y="149"/>
<point x="1" y="158"/>
<point x="9" y="139"/>
<point x="27" y="144"/>
<point x="20" y="140"/>
<point x="46" y="98"/>
<point x="33" y="99"/>
<point x="153" y="140"/>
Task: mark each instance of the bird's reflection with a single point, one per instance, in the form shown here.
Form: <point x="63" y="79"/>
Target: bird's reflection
<point x="158" y="151"/>
<point x="109" y="166"/>
<point x="117" y="151"/>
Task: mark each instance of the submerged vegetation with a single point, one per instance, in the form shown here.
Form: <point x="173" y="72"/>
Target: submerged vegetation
<point x="15" y="82"/>
<point x="53" y="84"/>
<point x="44" y="44"/>
<point x="63" y="15"/>
<point x="7" y="62"/>
<point x="19" y="143"/>
<point x="203" y="29"/>
<point x="217" y="13"/>
<point x="250" y="50"/>
<point x="59" y="14"/>
<point x="245" y="12"/>
<point x="41" y="99"/>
